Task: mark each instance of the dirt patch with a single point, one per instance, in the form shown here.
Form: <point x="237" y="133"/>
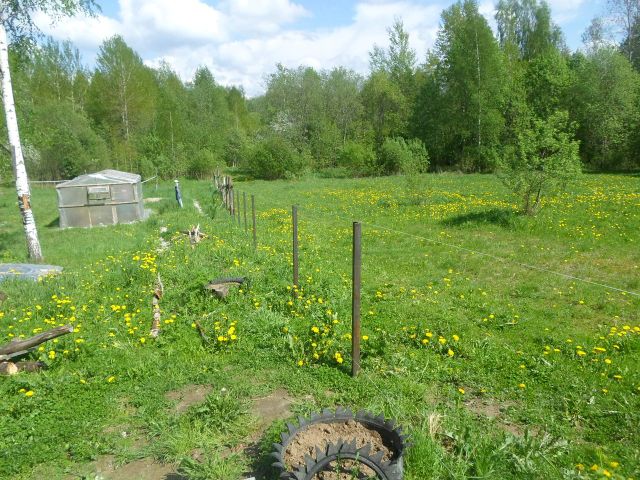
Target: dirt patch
<point x="105" y="468"/>
<point x="187" y="396"/>
<point x="496" y="410"/>
<point x="321" y="434"/>
<point x="272" y="407"/>
<point x="488" y="407"/>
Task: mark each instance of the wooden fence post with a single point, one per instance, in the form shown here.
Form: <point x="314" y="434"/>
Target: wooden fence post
<point x="355" y="302"/>
<point x="253" y="214"/>
<point x="244" y="200"/>
<point x="294" y="219"/>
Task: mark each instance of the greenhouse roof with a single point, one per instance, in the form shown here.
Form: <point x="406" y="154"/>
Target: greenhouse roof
<point x="104" y="177"/>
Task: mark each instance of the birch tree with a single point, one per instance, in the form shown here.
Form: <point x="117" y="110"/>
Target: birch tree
<point x="16" y="20"/>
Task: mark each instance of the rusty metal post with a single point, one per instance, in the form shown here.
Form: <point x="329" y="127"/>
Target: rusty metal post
<point x="355" y="303"/>
<point x="244" y="200"/>
<point x="253" y="215"/>
<point x="294" y="218"/>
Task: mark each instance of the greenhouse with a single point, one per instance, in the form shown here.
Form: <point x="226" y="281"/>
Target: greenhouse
<point x="103" y="198"/>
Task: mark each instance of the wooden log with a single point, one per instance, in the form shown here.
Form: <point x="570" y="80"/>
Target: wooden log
<point x="221" y="290"/>
<point x="155" y="305"/>
<point x="239" y="280"/>
<point x="28" y="366"/>
<point x="220" y="286"/>
<point x="8" y="368"/>
<point x="11" y="368"/>
<point x="18" y="347"/>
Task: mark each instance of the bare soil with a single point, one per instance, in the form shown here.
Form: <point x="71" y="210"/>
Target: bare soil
<point x="321" y="434"/>
<point x="187" y="396"/>
<point x="144" y="469"/>
<point x="495" y="410"/>
<point x="273" y="407"/>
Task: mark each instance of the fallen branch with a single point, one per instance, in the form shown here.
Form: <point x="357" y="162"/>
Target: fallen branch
<point x="10" y="368"/>
<point x="195" y="235"/>
<point x="155" y="304"/>
<point x="205" y="338"/>
<point x="20" y="347"/>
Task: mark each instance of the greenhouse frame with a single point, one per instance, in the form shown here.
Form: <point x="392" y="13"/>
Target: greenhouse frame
<point x="107" y="197"/>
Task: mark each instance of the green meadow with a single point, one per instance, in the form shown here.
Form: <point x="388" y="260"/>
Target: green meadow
<point x="507" y="346"/>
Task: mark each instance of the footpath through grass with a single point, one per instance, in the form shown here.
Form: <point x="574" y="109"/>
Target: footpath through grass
<point x="496" y="370"/>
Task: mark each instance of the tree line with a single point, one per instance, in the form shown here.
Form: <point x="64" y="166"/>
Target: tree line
<point x="477" y="103"/>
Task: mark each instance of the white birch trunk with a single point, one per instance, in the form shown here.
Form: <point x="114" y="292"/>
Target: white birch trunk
<point x="22" y="181"/>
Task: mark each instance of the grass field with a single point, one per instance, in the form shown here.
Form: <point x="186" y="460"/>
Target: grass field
<point x="495" y="369"/>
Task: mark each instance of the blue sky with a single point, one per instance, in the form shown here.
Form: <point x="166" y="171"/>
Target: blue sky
<point x="242" y="40"/>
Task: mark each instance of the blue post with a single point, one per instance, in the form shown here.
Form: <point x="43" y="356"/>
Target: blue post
<point x="178" y="194"/>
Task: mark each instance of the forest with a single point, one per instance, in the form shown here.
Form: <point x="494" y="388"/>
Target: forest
<point x="475" y="102"/>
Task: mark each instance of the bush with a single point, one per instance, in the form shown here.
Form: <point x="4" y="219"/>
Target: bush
<point x="274" y="158"/>
<point x="545" y="158"/>
<point x="400" y="156"/>
<point x="358" y="159"/>
<point x="202" y="164"/>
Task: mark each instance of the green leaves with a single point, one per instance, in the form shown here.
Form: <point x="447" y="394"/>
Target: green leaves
<point x="545" y="159"/>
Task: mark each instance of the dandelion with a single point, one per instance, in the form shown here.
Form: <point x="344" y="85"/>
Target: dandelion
<point x="450" y="353"/>
<point x="111" y="379"/>
<point x="315" y="329"/>
<point x="522" y="385"/>
<point x="29" y="394"/>
<point x="52" y="354"/>
<point x="607" y="361"/>
<point x="365" y="337"/>
<point x="461" y="390"/>
<point x="456" y="338"/>
<point x="300" y="363"/>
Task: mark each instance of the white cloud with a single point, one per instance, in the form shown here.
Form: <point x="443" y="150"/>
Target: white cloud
<point x="167" y="23"/>
<point x="242" y="40"/>
<point x="87" y="33"/>
<point x="261" y="16"/>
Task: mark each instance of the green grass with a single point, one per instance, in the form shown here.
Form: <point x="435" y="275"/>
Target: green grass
<point x="512" y="397"/>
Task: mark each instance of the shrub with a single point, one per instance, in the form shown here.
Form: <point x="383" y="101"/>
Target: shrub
<point x="358" y="159"/>
<point x="202" y="164"/>
<point x="545" y="158"/>
<point x="273" y="158"/>
<point x="400" y="156"/>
